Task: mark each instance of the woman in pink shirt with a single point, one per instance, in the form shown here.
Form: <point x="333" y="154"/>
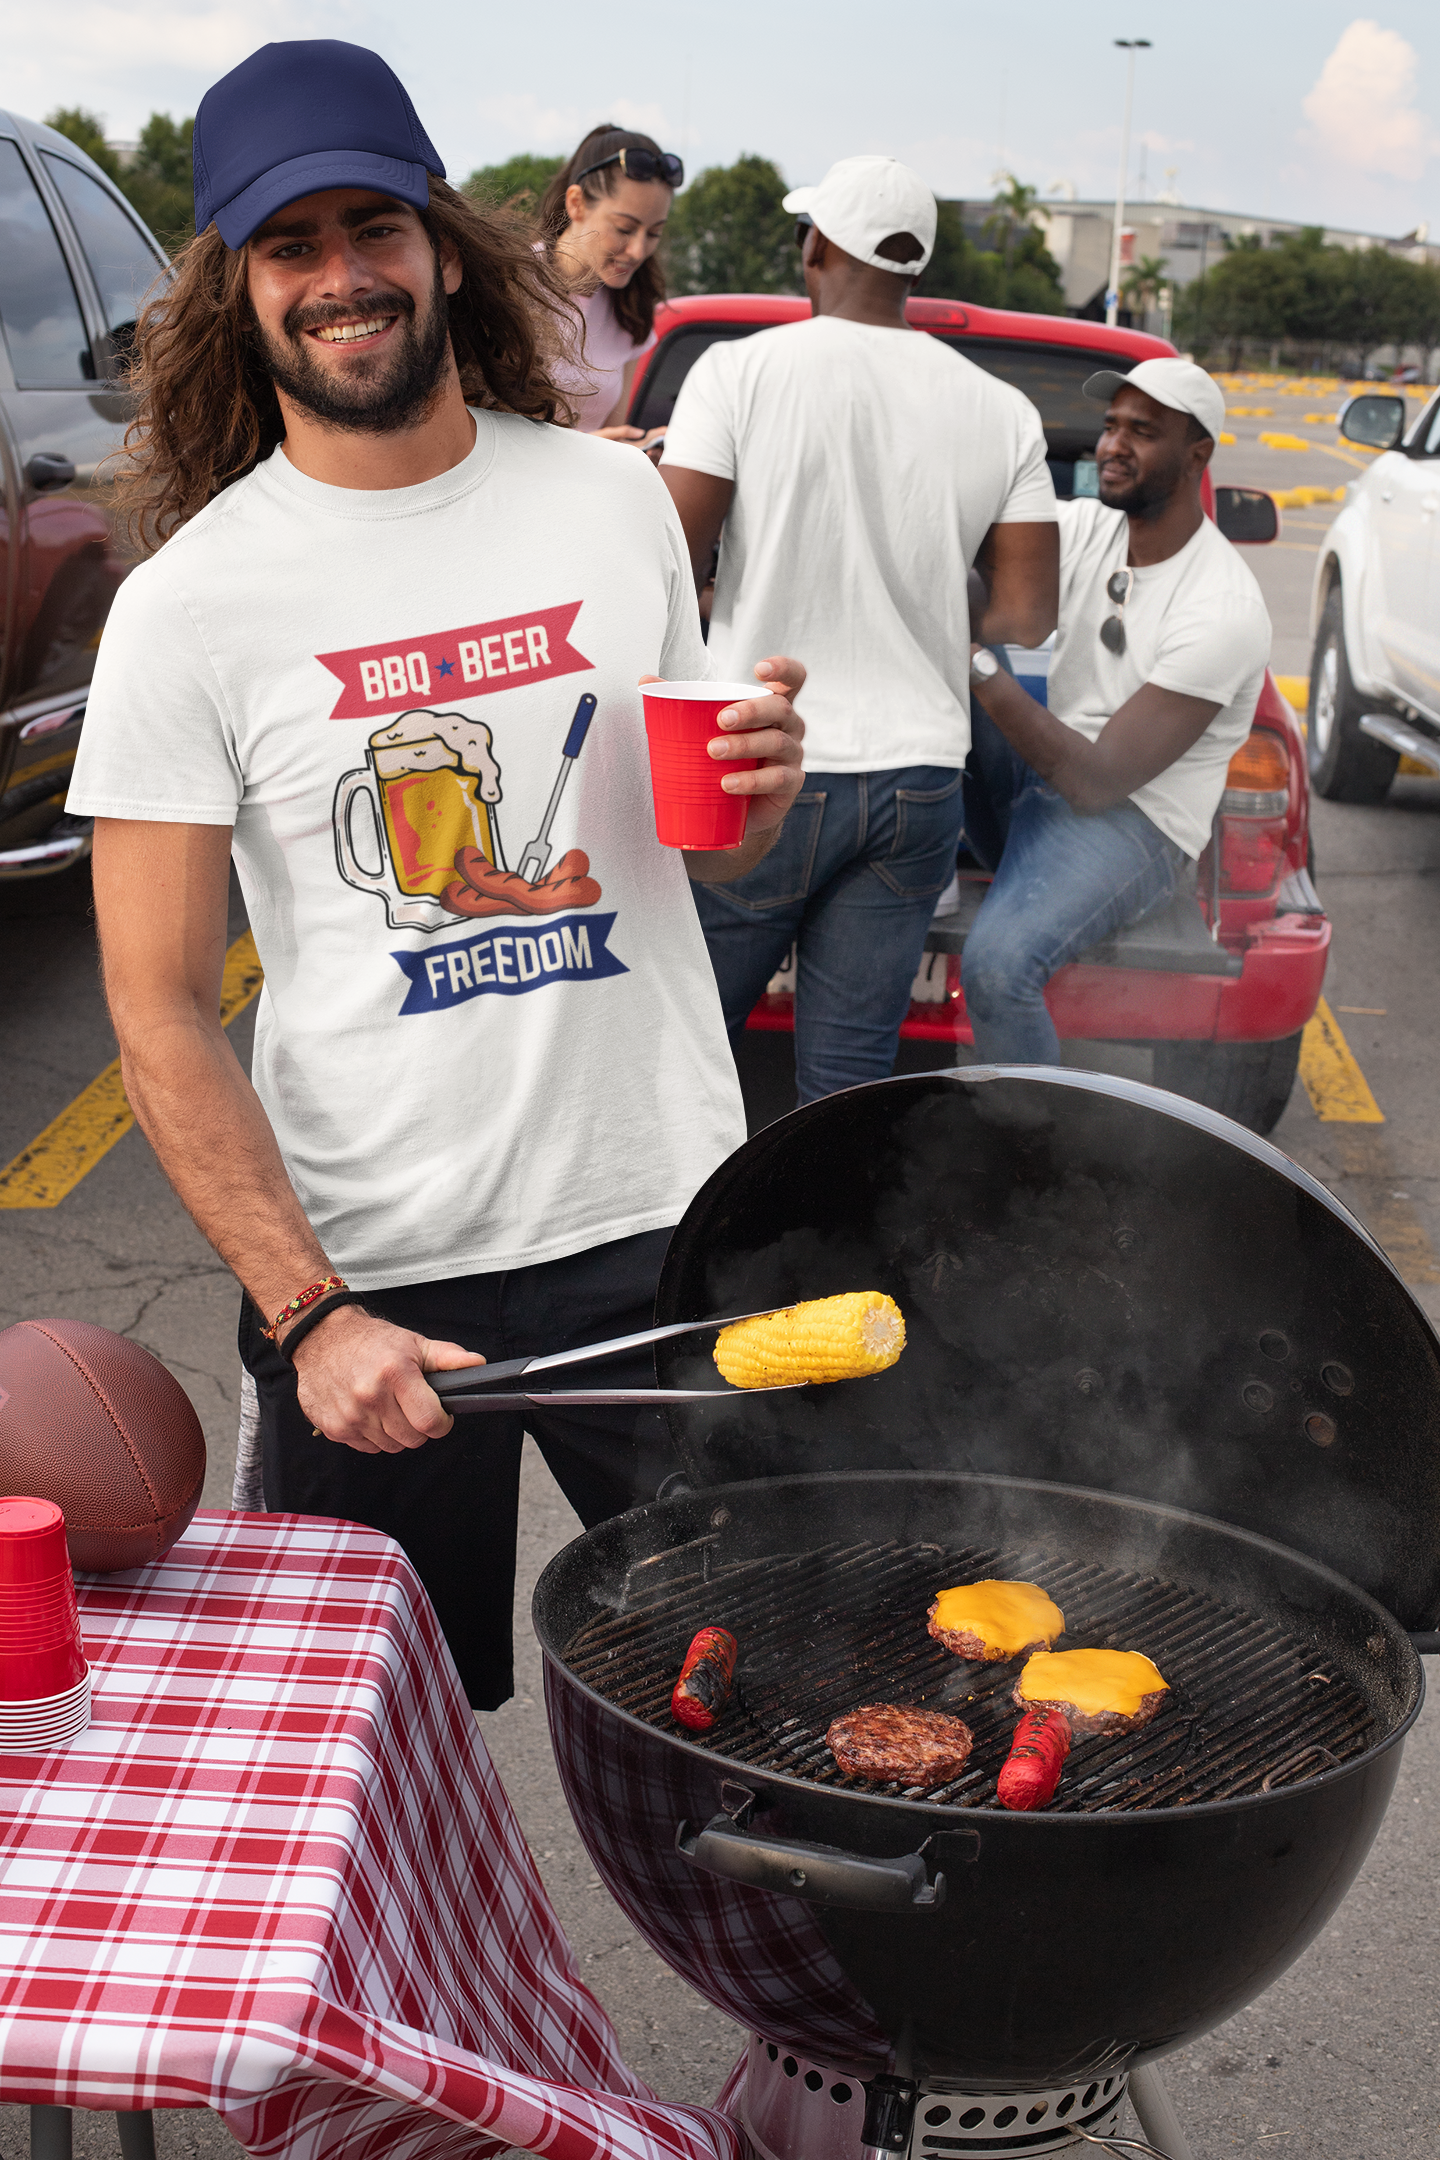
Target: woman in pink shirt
<point x="601" y="219"/>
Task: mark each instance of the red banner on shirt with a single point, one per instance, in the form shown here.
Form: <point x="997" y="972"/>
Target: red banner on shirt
<point x="455" y="664"/>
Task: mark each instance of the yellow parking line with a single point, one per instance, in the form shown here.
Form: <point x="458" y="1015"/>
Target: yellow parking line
<point x="71" y="1144"/>
<point x="1328" y="450"/>
<point x="1338" y="1090"/>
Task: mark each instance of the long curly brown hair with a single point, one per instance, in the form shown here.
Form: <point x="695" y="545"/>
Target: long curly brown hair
<point x="206" y="409"/>
<point x="635" y="303"/>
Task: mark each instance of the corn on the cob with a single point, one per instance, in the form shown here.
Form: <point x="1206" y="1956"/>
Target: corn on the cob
<point x="834" y="1338"/>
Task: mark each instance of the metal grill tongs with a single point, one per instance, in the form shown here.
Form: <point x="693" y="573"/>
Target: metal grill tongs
<point x="471" y="1388"/>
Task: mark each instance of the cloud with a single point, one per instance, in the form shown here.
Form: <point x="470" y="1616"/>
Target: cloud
<point x="1363" y="111"/>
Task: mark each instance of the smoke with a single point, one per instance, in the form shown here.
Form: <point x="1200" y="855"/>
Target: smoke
<point x="1097" y="1293"/>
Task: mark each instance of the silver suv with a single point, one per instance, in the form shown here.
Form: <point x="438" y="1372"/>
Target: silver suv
<point x="1375" y="608"/>
<point x="74" y="263"/>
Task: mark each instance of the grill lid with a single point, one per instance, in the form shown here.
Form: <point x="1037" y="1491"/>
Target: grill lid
<point x="1103" y="1285"/>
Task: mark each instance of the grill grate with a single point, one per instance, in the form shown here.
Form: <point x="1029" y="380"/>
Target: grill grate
<point x="821" y="1632"/>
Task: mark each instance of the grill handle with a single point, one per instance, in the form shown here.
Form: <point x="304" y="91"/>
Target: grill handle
<point x="1426" y="1641"/>
<point x="821" y="1874"/>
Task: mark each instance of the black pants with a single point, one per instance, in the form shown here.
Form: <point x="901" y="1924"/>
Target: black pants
<point x="452" y="1504"/>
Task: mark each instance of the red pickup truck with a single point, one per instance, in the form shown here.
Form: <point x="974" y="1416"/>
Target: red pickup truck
<point x="1220" y="982"/>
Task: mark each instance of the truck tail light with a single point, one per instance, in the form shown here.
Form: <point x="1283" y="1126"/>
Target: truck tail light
<point x="1253" y="812"/>
<point x="1258" y="781"/>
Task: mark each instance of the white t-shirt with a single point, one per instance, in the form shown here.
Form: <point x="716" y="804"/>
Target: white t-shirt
<point x="869" y="464"/>
<point x="377" y="690"/>
<point x="594" y="384"/>
<point x="1195" y="623"/>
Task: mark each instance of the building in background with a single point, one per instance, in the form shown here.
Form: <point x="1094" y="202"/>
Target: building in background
<point x="1188" y="239"/>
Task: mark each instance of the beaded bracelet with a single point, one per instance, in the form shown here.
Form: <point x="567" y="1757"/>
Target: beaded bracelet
<point x="301" y="1301"/>
<point x="311" y="1317"/>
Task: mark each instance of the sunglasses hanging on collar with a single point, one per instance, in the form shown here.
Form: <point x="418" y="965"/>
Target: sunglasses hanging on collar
<point x="1118" y="587"/>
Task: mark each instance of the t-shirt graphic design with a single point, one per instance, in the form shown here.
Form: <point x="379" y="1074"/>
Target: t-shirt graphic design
<point x="418" y="824"/>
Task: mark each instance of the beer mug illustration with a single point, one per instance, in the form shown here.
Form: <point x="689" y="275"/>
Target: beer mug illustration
<point x="432" y="786"/>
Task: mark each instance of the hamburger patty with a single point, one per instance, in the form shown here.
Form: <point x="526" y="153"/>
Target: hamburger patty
<point x="975" y="1647"/>
<point x="1083" y="1725"/>
<point x="904" y="1747"/>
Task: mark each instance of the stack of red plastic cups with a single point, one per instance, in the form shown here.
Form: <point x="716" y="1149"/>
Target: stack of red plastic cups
<point x="44" y="1679"/>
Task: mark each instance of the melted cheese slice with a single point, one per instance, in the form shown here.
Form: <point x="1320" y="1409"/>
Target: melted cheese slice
<point x="1007" y="1616"/>
<point x="1093" y="1681"/>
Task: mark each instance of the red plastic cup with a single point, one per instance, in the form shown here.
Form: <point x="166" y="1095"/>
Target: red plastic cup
<point x="692" y="810"/>
<point x="41" y="1655"/>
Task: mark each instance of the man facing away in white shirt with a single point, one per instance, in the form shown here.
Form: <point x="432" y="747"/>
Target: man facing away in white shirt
<point x="860" y="470"/>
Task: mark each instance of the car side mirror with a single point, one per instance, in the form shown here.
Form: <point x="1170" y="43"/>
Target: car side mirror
<point x="1248" y="516"/>
<point x="1376" y="420"/>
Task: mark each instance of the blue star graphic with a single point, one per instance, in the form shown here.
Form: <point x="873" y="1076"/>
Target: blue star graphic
<point x="445" y="667"/>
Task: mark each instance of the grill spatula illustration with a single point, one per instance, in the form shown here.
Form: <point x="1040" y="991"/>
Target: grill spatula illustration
<point x="536" y="858"/>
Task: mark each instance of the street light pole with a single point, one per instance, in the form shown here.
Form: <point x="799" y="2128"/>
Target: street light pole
<point x="1112" y="297"/>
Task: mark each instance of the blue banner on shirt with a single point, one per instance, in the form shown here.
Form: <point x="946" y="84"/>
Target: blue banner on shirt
<point x="506" y="961"/>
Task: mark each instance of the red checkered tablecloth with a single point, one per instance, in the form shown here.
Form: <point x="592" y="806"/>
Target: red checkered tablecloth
<point x="279" y="1877"/>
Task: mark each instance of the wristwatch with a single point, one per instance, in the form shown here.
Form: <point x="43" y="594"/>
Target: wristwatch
<point x="983" y="666"/>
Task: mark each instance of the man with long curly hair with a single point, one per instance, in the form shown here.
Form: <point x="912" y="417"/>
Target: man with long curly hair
<point x="386" y="647"/>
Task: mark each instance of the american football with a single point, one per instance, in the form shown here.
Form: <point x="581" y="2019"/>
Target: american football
<point x="93" y="1422"/>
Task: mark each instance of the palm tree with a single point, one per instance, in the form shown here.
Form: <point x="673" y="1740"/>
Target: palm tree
<point x="1014" y="209"/>
<point x="1142" y="281"/>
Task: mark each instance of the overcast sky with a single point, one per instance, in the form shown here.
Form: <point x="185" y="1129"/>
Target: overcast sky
<point x="1314" y="113"/>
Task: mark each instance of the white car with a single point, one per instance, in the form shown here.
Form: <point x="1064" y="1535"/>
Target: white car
<point x="1375" y="609"/>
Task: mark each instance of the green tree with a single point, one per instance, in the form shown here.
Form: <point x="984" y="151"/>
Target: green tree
<point x="1013" y="215"/>
<point x="87" y="131"/>
<point x="1029" y="275"/>
<point x="729" y="233"/>
<point x="958" y="270"/>
<point x="1142" y="282"/>
<point x="1302" y="293"/>
<point x="1032" y="282"/>
<point x="158" y="179"/>
<point x="1246" y="298"/>
<point x="518" y="184"/>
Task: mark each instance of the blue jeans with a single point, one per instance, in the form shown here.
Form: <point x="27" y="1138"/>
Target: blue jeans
<point x="1062" y="883"/>
<point x="852" y="881"/>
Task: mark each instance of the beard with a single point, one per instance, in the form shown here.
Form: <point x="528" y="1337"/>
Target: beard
<point x="376" y="396"/>
<point x="1145" y="496"/>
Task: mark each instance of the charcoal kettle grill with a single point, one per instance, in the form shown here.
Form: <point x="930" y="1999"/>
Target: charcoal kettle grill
<point x="1151" y="1365"/>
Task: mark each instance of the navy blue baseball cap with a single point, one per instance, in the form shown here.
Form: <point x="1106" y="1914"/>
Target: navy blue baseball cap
<point x="294" y="118"/>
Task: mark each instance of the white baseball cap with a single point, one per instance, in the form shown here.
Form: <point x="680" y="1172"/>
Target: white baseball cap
<point x="864" y="200"/>
<point x="1176" y="383"/>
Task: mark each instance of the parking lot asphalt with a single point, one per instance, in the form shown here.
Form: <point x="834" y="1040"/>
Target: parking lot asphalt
<point x="1338" y="2060"/>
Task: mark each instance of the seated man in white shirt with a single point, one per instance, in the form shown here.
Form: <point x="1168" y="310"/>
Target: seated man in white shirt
<point x="1087" y="811"/>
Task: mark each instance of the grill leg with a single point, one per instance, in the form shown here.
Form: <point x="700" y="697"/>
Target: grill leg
<point x="1158" y="2120"/>
<point x="49" y="2133"/>
<point x="137" y="2134"/>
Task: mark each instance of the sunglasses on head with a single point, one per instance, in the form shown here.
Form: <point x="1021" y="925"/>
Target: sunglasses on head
<point x="642" y="165"/>
<point x="1112" y="630"/>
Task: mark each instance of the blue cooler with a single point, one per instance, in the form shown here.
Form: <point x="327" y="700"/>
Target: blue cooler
<point x="1032" y="668"/>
